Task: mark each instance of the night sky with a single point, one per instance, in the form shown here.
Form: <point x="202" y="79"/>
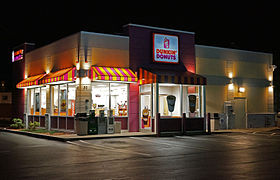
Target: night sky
<point x="242" y="26"/>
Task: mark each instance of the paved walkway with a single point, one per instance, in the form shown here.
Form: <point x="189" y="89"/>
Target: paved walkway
<point x="73" y="137"/>
<point x="249" y="130"/>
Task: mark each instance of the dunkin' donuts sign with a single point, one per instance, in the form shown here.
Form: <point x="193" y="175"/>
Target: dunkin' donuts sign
<point x="165" y="48"/>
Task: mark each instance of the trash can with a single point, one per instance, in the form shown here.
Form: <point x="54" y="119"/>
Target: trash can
<point x="81" y="124"/>
<point x="102" y="123"/>
<point x="92" y="123"/>
<point x="110" y="122"/>
<point x="117" y="126"/>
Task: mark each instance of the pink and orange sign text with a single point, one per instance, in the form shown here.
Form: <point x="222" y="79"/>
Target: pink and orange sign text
<point x="165" y="48"/>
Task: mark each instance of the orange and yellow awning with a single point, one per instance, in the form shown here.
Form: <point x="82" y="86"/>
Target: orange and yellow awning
<point x="68" y="74"/>
<point x="112" y="74"/>
<point x="61" y="75"/>
<point x="30" y="81"/>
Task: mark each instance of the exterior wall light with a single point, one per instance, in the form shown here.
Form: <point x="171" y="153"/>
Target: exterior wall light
<point x="241" y="89"/>
<point x="230" y="75"/>
<point x="270" y="88"/>
<point x="230" y="86"/>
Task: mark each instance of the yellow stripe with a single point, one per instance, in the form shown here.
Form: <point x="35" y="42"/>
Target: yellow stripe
<point x="123" y="70"/>
<point x="132" y="73"/>
<point x="104" y="72"/>
<point x="176" y="80"/>
<point x="95" y="70"/>
<point x="114" y="77"/>
<point x="169" y="79"/>
<point x="70" y="75"/>
<point x="120" y="74"/>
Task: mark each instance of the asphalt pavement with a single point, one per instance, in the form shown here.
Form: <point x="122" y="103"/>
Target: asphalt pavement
<point x="218" y="156"/>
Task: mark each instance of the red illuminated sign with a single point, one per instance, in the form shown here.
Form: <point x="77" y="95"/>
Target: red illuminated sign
<point x="17" y="55"/>
<point x="165" y="48"/>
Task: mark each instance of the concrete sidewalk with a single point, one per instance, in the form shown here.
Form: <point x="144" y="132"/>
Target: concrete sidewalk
<point x="75" y="137"/>
<point x="249" y="130"/>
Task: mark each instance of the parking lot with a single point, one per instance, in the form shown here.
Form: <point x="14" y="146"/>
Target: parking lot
<point x="220" y="156"/>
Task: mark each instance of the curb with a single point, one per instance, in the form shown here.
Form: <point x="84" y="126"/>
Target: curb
<point x="55" y="138"/>
<point x="34" y="135"/>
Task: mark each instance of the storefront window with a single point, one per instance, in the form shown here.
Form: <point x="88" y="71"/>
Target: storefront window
<point x="112" y="96"/>
<point x="100" y="97"/>
<point x="71" y="99"/>
<point x="118" y="99"/>
<point x="43" y="100"/>
<point x="37" y="101"/>
<point x="31" y="101"/>
<point x="145" y="106"/>
<point x="62" y="98"/>
<point x="192" y="101"/>
<point x="170" y="100"/>
<point x="55" y="100"/>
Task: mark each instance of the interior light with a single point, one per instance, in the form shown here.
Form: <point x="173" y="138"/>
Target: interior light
<point x="270" y="78"/>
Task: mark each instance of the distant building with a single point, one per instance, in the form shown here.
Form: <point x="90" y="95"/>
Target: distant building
<point x="5" y="103"/>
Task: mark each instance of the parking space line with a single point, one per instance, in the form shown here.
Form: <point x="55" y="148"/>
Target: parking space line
<point x="168" y="144"/>
<point x="114" y="149"/>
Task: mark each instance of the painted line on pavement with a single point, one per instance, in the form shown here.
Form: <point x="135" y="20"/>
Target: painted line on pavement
<point x="200" y="139"/>
<point x="169" y="144"/>
<point x="114" y="149"/>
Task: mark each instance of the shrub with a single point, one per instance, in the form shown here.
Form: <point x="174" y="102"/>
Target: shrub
<point x="33" y="125"/>
<point x="17" y="123"/>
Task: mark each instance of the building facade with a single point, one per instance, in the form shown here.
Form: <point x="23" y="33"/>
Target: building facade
<point x="239" y="86"/>
<point x="152" y="79"/>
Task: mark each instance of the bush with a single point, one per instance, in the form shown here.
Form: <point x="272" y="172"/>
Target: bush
<point x="17" y="123"/>
<point x="33" y="125"/>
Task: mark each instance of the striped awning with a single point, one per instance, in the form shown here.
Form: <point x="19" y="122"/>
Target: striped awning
<point x="147" y="77"/>
<point x="112" y="74"/>
<point x="30" y="81"/>
<point x="61" y="75"/>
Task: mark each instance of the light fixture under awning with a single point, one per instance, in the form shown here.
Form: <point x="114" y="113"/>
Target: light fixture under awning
<point x="30" y="81"/>
<point x="112" y="74"/>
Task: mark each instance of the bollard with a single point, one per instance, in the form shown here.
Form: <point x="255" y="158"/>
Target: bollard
<point x="158" y="124"/>
<point x="184" y="123"/>
<point x="209" y="123"/>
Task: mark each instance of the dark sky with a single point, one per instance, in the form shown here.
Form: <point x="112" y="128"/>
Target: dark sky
<point x="244" y="26"/>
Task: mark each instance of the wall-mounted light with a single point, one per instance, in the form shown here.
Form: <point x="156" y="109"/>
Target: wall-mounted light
<point x="230" y="75"/>
<point x="241" y="89"/>
<point x="230" y="86"/>
<point x="270" y="88"/>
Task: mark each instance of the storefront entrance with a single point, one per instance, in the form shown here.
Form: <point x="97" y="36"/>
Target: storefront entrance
<point x="171" y="106"/>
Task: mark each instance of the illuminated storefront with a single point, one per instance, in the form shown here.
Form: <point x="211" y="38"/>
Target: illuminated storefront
<point x="147" y="89"/>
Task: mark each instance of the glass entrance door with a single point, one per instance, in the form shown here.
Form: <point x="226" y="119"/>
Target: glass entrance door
<point x="145" y="122"/>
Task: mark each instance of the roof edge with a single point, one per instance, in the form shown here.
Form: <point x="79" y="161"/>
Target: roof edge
<point x="158" y="28"/>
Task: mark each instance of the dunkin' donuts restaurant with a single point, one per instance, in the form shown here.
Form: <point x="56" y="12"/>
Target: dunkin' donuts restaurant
<point x="146" y="80"/>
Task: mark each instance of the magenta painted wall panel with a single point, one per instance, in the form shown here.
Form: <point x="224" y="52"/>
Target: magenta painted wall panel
<point x="141" y="49"/>
<point x="133" y="111"/>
